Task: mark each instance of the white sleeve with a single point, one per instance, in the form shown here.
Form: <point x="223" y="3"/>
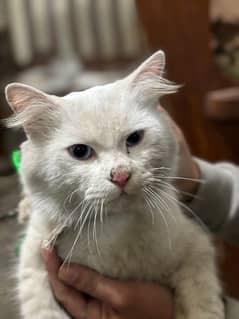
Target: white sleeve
<point x="232" y="308"/>
<point x="217" y="201"/>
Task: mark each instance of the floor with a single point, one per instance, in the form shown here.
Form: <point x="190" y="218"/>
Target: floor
<point x="10" y="232"/>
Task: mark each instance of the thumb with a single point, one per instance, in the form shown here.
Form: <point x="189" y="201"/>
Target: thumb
<point x="92" y="283"/>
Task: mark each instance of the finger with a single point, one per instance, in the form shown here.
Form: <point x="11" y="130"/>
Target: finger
<point x="95" y="309"/>
<point x="178" y="131"/>
<point x="73" y="301"/>
<point x="90" y="282"/>
<point x="52" y="261"/>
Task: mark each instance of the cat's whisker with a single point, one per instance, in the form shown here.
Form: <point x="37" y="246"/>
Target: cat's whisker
<point x="69" y="198"/>
<point x="69" y="255"/>
<point x="93" y="221"/>
<point x="72" y="194"/>
<point x="101" y="210"/>
<point x="101" y="215"/>
<point x="54" y="177"/>
<point x="159" y="182"/>
<point x="148" y="202"/>
<point x="201" y="181"/>
<point x="95" y="227"/>
<point x="160" y="169"/>
<point x="163" y="203"/>
<point x="158" y="205"/>
<point x="88" y="231"/>
<point x="65" y="201"/>
<point x="58" y="229"/>
<point x="69" y="217"/>
<point x="85" y="204"/>
<point x="178" y="191"/>
<point x="200" y="222"/>
<point x="160" y="199"/>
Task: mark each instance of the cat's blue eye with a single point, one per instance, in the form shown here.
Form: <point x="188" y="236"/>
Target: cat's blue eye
<point x="135" y="138"/>
<point x="81" y="151"/>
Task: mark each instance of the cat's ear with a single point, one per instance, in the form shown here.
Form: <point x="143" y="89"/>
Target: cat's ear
<point x="148" y="81"/>
<point x="154" y="65"/>
<point x="32" y="108"/>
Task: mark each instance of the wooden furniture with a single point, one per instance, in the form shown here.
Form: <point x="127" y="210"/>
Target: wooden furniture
<point x="182" y="29"/>
<point x="209" y="120"/>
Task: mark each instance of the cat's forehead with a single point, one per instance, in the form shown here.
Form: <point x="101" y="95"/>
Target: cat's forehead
<point x="105" y="111"/>
<point x="97" y="98"/>
<point x="108" y="102"/>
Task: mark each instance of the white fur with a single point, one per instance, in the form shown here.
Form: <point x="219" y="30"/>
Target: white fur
<point x="131" y="236"/>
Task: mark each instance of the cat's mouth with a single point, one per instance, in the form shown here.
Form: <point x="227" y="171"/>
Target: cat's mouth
<point x="123" y="193"/>
<point x="119" y="195"/>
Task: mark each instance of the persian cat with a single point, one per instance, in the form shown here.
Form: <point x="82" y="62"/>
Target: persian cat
<point x="97" y="168"/>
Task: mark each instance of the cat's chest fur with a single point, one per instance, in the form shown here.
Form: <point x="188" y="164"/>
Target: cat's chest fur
<point x="128" y="248"/>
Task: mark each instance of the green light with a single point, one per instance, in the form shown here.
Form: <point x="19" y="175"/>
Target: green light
<point x="16" y="159"/>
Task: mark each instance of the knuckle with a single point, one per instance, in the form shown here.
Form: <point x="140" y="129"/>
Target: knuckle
<point x="60" y="294"/>
<point x="80" y="315"/>
<point x="122" y="299"/>
<point x="88" y="284"/>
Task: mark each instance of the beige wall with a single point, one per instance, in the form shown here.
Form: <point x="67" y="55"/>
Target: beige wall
<point x="3" y="21"/>
<point x="228" y="10"/>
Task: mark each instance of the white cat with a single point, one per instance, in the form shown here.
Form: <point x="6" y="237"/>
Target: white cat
<point x="98" y="167"/>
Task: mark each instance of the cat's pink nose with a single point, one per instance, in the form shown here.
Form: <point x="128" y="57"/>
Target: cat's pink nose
<point x="120" y="176"/>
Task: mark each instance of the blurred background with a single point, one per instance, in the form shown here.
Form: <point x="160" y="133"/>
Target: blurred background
<point x="68" y="45"/>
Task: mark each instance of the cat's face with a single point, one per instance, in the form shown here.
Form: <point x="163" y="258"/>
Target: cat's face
<point x="105" y="145"/>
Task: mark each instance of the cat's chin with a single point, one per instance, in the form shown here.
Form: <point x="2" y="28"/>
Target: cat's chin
<point x="121" y="202"/>
<point x="120" y="196"/>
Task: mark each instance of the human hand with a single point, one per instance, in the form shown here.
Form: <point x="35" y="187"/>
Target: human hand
<point x="85" y="294"/>
<point x="188" y="172"/>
